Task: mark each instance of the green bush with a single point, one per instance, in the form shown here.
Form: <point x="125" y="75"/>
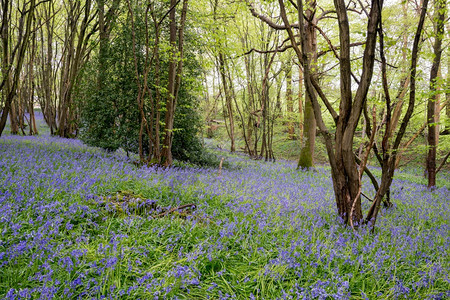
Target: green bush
<point x="110" y="118"/>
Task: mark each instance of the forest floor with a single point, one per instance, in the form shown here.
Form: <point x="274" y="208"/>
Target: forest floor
<point x="413" y="158"/>
<point x="78" y="222"/>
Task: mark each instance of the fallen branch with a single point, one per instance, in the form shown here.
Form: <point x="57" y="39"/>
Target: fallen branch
<point x="181" y="207"/>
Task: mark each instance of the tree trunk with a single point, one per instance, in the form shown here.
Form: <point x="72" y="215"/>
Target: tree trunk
<point x="276" y="113"/>
<point x="29" y="101"/>
<point x="447" y="95"/>
<point x="102" y="53"/>
<point x="300" y="104"/>
<point x="22" y="44"/>
<point x="228" y="102"/>
<point x="306" y="159"/>
<point x="432" y="101"/>
<point x="73" y="61"/>
<point x="13" y="117"/>
<point x="170" y="102"/>
<point x="175" y="71"/>
<point x="289" y="102"/>
<point x="104" y="27"/>
<point x="250" y="106"/>
<point x="45" y="87"/>
<point x="6" y="74"/>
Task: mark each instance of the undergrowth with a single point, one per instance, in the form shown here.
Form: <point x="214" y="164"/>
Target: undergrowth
<point x="78" y="222"/>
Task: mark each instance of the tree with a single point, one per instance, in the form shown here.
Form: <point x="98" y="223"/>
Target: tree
<point x="76" y="47"/>
<point x="246" y="79"/>
<point x="47" y="73"/>
<point x="176" y="42"/>
<point x="12" y="61"/>
<point x="135" y="96"/>
<point x="306" y="159"/>
<point x="346" y="178"/>
<point x="289" y="102"/>
<point x="432" y="112"/>
<point x="345" y="171"/>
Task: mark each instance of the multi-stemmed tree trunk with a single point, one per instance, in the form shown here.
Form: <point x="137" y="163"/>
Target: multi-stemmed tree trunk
<point x="149" y="106"/>
<point x="433" y="133"/>
<point x="345" y="171"/>
<point x="46" y="86"/>
<point x="76" y="46"/>
<point x="12" y="61"/>
<point x="176" y="42"/>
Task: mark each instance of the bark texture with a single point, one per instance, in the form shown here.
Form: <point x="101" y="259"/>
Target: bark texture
<point x="306" y="159"/>
<point x="433" y="133"/>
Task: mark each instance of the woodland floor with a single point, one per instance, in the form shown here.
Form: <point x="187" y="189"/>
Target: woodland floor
<point x="78" y="222"/>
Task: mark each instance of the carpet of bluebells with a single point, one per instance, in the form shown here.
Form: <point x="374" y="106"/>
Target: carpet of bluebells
<point x="258" y="231"/>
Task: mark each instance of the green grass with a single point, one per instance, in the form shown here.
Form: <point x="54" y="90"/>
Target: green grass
<point x="262" y="230"/>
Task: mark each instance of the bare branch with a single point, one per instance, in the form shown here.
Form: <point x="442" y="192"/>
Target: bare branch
<point x="294" y="45"/>
<point x="443" y="162"/>
<point x="268" y="21"/>
<point x="334" y="48"/>
<point x="363" y="163"/>
<point x="325" y="14"/>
